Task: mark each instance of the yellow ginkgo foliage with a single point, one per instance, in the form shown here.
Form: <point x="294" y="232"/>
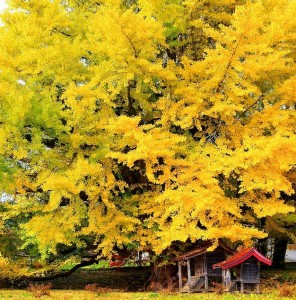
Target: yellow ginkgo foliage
<point x="140" y="123"/>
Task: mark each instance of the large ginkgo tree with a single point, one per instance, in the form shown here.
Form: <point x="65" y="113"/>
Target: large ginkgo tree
<point x="138" y="124"/>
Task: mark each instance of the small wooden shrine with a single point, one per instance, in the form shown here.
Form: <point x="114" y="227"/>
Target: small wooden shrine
<point x="198" y="266"/>
<point x="245" y="266"/>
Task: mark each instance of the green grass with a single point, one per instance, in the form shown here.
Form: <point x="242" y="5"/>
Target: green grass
<point x="103" y="264"/>
<point x="274" y="283"/>
<point x="280" y="275"/>
<point x="85" y="295"/>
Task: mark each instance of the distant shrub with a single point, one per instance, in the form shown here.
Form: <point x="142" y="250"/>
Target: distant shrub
<point x="170" y="288"/>
<point x="218" y="288"/>
<point x="39" y="290"/>
<point x="286" y="290"/>
<point x="155" y="287"/>
<point x="91" y="287"/>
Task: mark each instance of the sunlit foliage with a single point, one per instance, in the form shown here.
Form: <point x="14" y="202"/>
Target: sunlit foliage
<point x="140" y="123"/>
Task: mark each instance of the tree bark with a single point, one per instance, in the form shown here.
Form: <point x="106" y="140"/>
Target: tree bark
<point x="279" y="254"/>
<point x="262" y="246"/>
<point x="163" y="277"/>
<point x="51" y="276"/>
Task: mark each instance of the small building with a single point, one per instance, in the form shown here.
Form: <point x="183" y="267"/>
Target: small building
<point x="198" y="266"/>
<point x="245" y="266"/>
<point x="291" y="253"/>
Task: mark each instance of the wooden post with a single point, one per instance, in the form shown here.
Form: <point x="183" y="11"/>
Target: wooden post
<point x="228" y="276"/>
<point x="189" y="273"/>
<point x="241" y="279"/>
<point x="206" y="272"/>
<point x="258" y="284"/>
<point x="180" y="274"/>
<point x="242" y="287"/>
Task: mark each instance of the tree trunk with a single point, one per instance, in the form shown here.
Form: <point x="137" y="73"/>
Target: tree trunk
<point x="163" y="277"/>
<point x="279" y="254"/>
<point x="262" y="246"/>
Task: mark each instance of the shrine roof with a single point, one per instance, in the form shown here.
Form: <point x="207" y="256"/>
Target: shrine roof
<point x="203" y="248"/>
<point x="242" y="256"/>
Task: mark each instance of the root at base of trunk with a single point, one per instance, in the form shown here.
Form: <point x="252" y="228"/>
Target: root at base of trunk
<point x="162" y="278"/>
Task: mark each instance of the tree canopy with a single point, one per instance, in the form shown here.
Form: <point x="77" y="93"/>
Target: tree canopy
<point x="135" y="124"/>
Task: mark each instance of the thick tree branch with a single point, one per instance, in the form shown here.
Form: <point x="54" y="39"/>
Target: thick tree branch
<point x="52" y="276"/>
<point x="131" y="109"/>
<point x="253" y="104"/>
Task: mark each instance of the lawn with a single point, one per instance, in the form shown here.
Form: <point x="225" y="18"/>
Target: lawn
<point x="87" y="295"/>
<point x="274" y="285"/>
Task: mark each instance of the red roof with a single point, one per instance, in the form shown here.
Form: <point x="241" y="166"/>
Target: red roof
<point x="117" y="260"/>
<point x="240" y="257"/>
<point x="203" y="249"/>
